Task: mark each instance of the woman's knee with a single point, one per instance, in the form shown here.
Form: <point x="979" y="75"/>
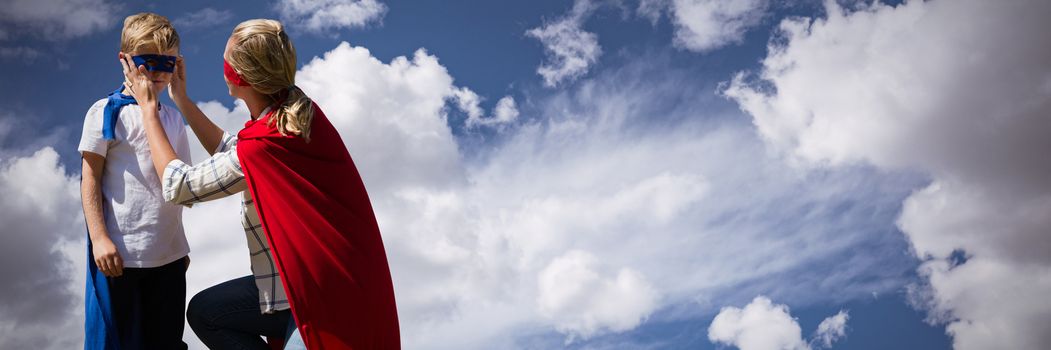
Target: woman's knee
<point x="210" y="303"/>
<point x="196" y="311"/>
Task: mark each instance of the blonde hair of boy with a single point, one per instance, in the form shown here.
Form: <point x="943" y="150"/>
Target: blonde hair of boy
<point x="146" y="31"/>
<point x="265" y="58"/>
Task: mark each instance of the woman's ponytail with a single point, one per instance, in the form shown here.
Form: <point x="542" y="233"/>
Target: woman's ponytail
<point x="294" y="114"/>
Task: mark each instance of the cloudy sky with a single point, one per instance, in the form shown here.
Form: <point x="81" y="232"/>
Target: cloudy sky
<point x="592" y="174"/>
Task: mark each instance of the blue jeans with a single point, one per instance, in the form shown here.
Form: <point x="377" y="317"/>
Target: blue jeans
<point x="294" y="341"/>
<point x="227" y="316"/>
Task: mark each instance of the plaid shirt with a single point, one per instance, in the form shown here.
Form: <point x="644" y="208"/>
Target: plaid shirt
<point x="218" y="177"/>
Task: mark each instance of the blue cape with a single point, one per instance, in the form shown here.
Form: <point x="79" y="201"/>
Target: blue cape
<point x="99" y="331"/>
<point x="116" y="101"/>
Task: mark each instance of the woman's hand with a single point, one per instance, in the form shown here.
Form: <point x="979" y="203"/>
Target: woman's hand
<point x="137" y="82"/>
<point x="177" y="87"/>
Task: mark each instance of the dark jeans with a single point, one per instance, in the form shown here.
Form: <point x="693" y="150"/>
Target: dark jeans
<point x="148" y="305"/>
<point x="227" y="316"/>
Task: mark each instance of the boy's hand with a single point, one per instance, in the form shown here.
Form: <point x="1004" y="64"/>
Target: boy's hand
<point x="177" y="87"/>
<point x="137" y="82"/>
<point x="107" y="258"/>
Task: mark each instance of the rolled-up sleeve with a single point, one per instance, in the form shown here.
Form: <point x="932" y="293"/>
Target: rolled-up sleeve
<point x="216" y="177"/>
<point x="227" y="143"/>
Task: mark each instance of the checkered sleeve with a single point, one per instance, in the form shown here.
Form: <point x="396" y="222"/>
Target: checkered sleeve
<point x="227" y="143"/>
<point x="216" y="177"/>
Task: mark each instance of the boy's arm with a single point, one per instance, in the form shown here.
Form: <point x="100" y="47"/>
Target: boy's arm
<point x="102" y="248"/>
<point x="207" y="132"/>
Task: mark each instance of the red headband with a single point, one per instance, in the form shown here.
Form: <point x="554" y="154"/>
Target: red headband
<point x="232" y="75"/>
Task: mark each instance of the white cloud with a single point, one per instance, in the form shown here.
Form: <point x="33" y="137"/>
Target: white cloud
<point x="830" y="330"/>
<point x="700" y="26"/>
<point x="570" y="50"/>
<point x="205" y="17"/>
<point x="470" y="239"/>
<point x="705" y="25"/>
<point x="324" y="15"/>
<point x="763" y="325"/>
<point x="760" y="325"/>
<point x="396" y="108"/>
<point x="505" y="112"/>
<point x="230" y="120"/>
<point x="26" y="54"/>
<point x="583" y="299"/>
<point x="468" y="102"/>
<point x="958" y="90"/>
<point x="57" y="19"/>
<point x="652" y="9"/>
<point x="998" y="296"/>
<point x="43" y="253"/>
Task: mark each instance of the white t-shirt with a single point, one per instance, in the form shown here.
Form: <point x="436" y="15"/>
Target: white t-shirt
<point x="146" y="229"/>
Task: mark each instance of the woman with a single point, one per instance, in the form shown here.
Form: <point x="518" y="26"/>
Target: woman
<point x="310" y="227"/>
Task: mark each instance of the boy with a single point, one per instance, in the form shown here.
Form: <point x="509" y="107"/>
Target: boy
<point x="136" y="293"/>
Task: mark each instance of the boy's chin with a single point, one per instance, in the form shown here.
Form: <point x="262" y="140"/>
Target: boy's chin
<point x="159" y="87"/>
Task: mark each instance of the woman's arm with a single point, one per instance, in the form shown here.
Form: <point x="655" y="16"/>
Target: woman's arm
<point x="139" y="86"/>
<point x="207" y="132"/>
<point x="216" y="177"/>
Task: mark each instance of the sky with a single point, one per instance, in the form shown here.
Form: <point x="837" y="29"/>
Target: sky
<point x="606" y="174"/>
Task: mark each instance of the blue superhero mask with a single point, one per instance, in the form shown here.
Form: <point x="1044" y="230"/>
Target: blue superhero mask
<point x="155" y="63"/>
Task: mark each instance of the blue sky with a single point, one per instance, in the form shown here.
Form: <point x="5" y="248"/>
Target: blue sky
<point x="483" y="46"/>
<point x="686" y="174"/>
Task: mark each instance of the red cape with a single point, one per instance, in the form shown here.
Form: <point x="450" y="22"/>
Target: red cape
<point x="323" y="235"/>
